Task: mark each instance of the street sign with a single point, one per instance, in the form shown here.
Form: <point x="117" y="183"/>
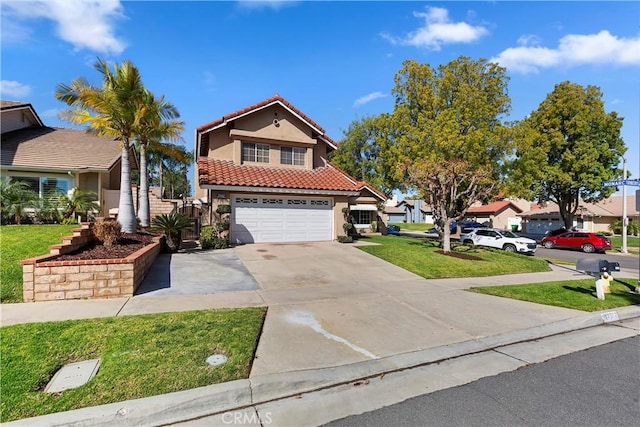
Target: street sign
<point x="621" y="182"/>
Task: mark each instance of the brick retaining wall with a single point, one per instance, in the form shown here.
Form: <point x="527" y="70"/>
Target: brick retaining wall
<point x="45" y="279"/>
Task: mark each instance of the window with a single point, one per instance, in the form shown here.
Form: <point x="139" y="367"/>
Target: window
<point x="361" y="217"/>
<point x="292" y="155"/>
<point x="44" y="186"/>
<point x="255" y="152"/>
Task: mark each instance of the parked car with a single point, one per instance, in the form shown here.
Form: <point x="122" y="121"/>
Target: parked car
<point x="577" y="240"/>
<point x="500" y="239"/>
<point x="393" y="229"/>
<point x="556" y="232"/>
<point x="466" y="226"/>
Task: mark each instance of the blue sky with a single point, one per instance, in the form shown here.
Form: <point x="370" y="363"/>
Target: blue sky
<point x="335" y="61"/>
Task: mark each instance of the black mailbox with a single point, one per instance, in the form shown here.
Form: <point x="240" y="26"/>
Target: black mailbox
<point x="597" y="265"/>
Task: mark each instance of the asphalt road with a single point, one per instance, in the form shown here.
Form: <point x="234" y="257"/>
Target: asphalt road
<point x="595" y="387"/>
<point x="627" y="261"/>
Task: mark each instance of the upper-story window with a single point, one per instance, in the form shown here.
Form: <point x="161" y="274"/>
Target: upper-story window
<point x="255" y="152"/>
<point x="292" y="155"/>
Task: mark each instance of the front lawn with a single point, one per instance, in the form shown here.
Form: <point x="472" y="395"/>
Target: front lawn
<point x="419" y="256"/>
<point x="576" y="294"/>
<point x="413" y="226"/>
<point x="20" y="242"/>
<point x="632" y="243"/>
<point x="140" y="356"/>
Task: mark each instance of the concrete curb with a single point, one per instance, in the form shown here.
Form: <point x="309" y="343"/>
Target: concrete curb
<point x="243" y="394"/>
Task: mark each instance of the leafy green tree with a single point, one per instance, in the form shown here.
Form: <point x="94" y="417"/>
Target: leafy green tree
<point x="15" y="198"/>
<point x="113" y="109"/>
<point x="566" y="149"/>
<point x="450" y="143"/>
<point x="363" y="152"/>
<point x="158" y="123"/>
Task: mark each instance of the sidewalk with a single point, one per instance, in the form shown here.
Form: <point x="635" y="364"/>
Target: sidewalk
<point x="326" y="329"/>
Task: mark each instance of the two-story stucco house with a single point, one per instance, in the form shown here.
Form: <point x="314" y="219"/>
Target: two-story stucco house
<point x="269" y="162"/>
<point x="51" y="159"/>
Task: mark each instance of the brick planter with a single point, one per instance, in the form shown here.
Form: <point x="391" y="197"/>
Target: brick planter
<point x="45" y="279"/>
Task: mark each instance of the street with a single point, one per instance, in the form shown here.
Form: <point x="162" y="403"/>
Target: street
<point x="626" y="261"/>
<point x="595" y="387"/>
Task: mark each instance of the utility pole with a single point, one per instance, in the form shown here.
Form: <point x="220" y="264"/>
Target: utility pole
<point x="625" y="220"/>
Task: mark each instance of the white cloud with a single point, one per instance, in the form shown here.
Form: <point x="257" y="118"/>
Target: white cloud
<point x="87" y="24"/>
<point x="265" y="4"/>
<point x="572" y="50"/>
<point x="13" y="89"/>
<point x="438" y="30"/>
<point x="368" y="98"/>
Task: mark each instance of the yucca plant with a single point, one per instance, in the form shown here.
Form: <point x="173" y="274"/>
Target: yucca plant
<point x="171" y="225"/>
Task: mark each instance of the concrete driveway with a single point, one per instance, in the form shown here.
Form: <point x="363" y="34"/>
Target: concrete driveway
<point x="197" y="273"/>
<point x="332" y="304"/>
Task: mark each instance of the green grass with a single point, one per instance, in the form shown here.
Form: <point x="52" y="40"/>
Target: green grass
<point x="140" y="356"/>
<point x="632" y="242"/>
<point x="419" y="256"/>
<point x="576" y="294"/>
<point x="18" y="242"/>
<point x="412" y="226"/>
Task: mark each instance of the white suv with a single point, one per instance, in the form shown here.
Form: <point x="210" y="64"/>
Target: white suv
<point x="500" y="239"/>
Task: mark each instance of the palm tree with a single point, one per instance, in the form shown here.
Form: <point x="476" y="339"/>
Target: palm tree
<point x="156" y="125"/>
<point x="114" y="109"/>
<point x="168" y="156"/>
<point x="79" y="202"/>
<point x="15" y="196"/>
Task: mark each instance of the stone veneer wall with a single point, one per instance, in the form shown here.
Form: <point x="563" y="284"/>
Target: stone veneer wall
<point x="45" y="279"/>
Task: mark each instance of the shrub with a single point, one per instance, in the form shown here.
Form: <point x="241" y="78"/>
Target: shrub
<point x="210" y="238"/>
<point x="69" y="221"/>
<point x="222" y="226"/>
<point x="223" y="209"/>
<point x="345" y="239"/>
<point x="374" y="226"/>
<point x="632" y="228"/>
<point x="107" y="231"/>
<point x="346" y="210"/>
<point x="207" y="235"/>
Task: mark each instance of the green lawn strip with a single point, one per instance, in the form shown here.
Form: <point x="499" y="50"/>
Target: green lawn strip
<point x="18" y="242"/>
<point x="412" y="226"/>
<point x="419" y="256"/>
<point x="140" y="356"/>
<point x="633" y="244"/>
<point x="576" y="294"/>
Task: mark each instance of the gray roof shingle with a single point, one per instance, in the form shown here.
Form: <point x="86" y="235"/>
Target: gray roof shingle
<point x="58" y="148"/>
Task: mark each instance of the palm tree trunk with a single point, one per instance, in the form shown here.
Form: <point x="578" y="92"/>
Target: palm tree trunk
<point x="161" y="183"/>
<point x="126" y="213"/>
<point x="144" y="212"/>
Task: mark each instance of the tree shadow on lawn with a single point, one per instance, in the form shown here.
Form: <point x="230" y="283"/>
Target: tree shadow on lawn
<point x="630" y="296"/>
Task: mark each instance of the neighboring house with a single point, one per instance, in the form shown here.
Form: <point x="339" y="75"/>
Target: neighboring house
<point x="501" y="214"/>
<point x="416" y="210"/>
<point x="592" y="217"/>
<point x="394" y="214"/>
<point x="269" y="162"/>
<point x="57" y="159"/>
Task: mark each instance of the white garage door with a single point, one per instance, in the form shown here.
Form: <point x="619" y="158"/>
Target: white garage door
<point x="262" y="219"/>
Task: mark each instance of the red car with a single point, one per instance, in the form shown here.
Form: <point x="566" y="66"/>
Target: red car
<point x="587" y="242"/>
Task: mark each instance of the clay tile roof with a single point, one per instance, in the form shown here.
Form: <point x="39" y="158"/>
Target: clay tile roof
<point x="257" y="106"/>
<point x="493" y="207"/>
<point x="57" y="148"/>
<point x="225" y="172"/>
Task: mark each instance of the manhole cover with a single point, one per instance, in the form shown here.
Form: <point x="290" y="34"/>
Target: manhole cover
<point x="216" y="359"/>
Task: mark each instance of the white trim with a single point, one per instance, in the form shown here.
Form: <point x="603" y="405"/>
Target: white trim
<point x="326" y="141"/>
<point x="361" y="207"/>
<point x="280" y="190"/>
<point x="277" y="101"/>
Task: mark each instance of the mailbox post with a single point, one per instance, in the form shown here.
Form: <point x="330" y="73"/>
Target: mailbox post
<point x="601" y="269"/>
